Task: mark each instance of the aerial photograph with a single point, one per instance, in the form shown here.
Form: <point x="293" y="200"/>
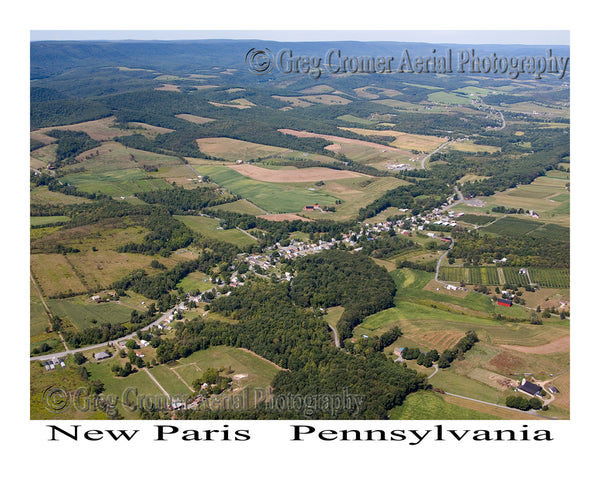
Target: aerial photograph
<point x="228" y="226"/>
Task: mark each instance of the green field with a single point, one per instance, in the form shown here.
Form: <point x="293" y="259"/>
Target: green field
<point x="36" y="221"/>
<point x="354" y="119"/>
<point x="273" y="197"/>
<point x="196" y="281"/>
<point x="428" y="405"/>
<point x="209" y="227"/>
<point x="239" y="206"/>
<point x="119" y="183"/>
<point x="84" y="314"/>
<point x="449" y="98"/>
<point x="511" y="226"/>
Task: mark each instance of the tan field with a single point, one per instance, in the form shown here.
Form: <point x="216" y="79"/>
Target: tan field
<point x="232" y="150"/>
<point x="233" y="105"/>
<point x="168" y="87"/>
<point x="317" y="89"/>
<point x="293" y="175"/>
<point x="559" y="345"/>
<point x="333" y="138"/>
<point x="403" y="140"/>
<point x="102" y="129"/>
<point x="281" y="217"/>
<point x="194" y="118"/>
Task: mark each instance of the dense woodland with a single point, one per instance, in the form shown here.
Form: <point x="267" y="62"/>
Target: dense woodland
<point x="475" y="248"/>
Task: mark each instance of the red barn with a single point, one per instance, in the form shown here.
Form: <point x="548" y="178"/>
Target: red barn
<point x="505" y="302"/>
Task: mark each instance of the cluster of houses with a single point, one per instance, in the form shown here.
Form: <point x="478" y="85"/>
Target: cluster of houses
<point x="55" y="362"/>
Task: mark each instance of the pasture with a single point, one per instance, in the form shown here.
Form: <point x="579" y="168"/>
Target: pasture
<point x="115" y="156"/>
<point x="448" y="98"/>
<point x="247" y="370"/>
<point x="406" y="141"/>
<point x="196" y="281"/>
<point x="37" y="221"/>
<point x="194" y="118"/>
<point x="42" y="195"/>
<point x="107" y="129"/>
<point x="428" y="405"/>
<point x="83" y="314"/>
<point x="374" y="154"/>
<point x="231" y="149"/>
<point x="546" y="195"/>
<point x="471" y="147"/>
<point x="209" y="227"/>
<point x="355" y="193"/>
<point x="240" y="206"/>
<point x="293" y="175"/>
<point x="274" y="198"/>
<point x="55" y="275"/>
<point x="119" y="183"/>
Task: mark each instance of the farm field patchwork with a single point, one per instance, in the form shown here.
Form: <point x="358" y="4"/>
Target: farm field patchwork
<point x="274" y="198"/>
<point x="544" y="277"/>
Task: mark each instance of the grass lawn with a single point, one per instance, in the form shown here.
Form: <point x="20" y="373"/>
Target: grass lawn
<point x="196" y="281"/>
<point x="432" y="406"/>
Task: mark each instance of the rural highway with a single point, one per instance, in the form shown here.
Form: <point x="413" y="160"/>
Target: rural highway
<point x="50" y="356"/>
<point x="435" y="151"/>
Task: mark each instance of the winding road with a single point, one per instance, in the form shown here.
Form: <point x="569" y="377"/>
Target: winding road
<point x="50" y="356"/>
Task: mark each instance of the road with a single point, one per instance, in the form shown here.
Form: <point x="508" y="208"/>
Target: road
<point x="534" y="413"/>
<point x="437" y="268"/>
<point x="50" y="356"/>
<point x="461" y="199"/>
<point x="435" y="151"/>
<point x="335" y="335"/>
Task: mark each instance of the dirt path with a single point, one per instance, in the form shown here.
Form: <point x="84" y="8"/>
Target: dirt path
<point x="559" y="345"/>
<point x="182" y="380"/>
<point x="263" y="358"/>
<point x="48" y="312"/>
<point x="156" y="381"/>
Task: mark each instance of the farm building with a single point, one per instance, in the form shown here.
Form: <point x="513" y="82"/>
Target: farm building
<point x="505" y="302"/>
<point x="529" y="388"/>
<point x="101" y="355"/>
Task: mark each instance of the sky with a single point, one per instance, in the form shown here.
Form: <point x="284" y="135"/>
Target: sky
<point x="525" y="37"/>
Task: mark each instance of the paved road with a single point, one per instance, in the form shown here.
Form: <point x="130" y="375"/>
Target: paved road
<point x="435" y="151"/>
<point x="50" y="356"/>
